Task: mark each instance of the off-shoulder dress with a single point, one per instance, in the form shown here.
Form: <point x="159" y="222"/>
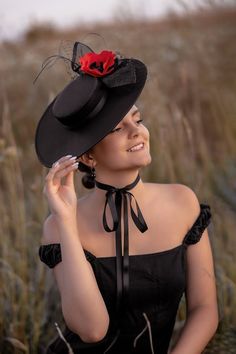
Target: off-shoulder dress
<point x="157" y="283"/>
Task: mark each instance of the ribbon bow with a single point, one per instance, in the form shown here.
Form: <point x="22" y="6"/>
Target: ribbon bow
<point x="114" y="198"/>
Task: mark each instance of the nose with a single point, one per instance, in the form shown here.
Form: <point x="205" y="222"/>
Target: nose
<point x="133" y="130"/>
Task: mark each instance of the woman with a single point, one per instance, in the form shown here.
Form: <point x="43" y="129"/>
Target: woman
<point x="123" y="254"/>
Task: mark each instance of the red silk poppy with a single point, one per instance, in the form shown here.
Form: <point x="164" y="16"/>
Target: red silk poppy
<point x="98" y="64"/>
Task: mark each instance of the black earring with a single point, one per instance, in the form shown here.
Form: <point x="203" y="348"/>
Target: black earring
<point x="93" y="173"/>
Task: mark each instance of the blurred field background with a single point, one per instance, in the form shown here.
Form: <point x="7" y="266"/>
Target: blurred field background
<point x="189" y="106"/>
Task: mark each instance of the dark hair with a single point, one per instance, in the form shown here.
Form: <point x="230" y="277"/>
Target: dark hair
<point x="88" y="180"/>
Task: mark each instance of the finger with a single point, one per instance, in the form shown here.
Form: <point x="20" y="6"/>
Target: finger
<point x="69" y="180"/>
<point x="53" y="177"/>
<point x="61" y="159"/>
<point x="64" y="172"/>
<point x="62" y="169"/>
<point x="52" y="172"/>
<point x="60" y="165"/>
<point x="65" y="161"/>
<point x="51" y="180"/>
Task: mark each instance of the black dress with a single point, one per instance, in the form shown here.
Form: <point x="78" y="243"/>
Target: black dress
<point x="157" y="283"/>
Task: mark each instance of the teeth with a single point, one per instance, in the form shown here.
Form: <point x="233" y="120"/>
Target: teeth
<point x="137" y="147"/>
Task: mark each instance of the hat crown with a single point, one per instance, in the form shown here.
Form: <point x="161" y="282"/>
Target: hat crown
<point x="79" y="100"/>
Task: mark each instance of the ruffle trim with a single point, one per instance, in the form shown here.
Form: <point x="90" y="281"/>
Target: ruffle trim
<point x="195" y="233"/>
<point x="51" y="254"/>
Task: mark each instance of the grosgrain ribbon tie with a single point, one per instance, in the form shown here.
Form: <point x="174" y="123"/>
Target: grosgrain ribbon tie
<point x="114" y="199"/>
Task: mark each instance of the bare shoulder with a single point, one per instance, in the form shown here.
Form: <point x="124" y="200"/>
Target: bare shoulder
<point x="187" y="199"/>
<point x="173" y="191"/>
<point x="177" y="196"/>
<point x="50" y="231"/>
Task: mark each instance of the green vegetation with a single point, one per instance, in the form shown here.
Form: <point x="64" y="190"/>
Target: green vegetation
<point x="190" y="108"/>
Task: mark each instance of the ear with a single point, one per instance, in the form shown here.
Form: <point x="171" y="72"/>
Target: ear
<point x="88" y="159"/>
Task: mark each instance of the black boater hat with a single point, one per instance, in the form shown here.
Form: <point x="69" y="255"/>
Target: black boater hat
<point x="90" y="106"/>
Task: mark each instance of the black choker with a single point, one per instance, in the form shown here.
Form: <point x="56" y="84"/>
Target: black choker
<point x="114" y="197"/>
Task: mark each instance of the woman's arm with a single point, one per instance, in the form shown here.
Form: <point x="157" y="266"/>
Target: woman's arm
<point x="83" y="307"/>
<point x="202" y="311"/>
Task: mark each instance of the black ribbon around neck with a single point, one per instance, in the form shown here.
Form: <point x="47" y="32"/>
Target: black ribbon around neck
<point x="114" y="198"/>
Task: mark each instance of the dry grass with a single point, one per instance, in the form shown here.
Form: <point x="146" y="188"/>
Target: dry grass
<point x="189" y="105"/>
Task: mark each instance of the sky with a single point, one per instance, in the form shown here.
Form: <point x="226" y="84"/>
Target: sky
<point x="17" y="15"/>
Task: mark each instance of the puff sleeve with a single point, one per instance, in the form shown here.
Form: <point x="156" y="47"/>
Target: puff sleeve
<point x="196" y="231"/>
<point x="50" y="254"/>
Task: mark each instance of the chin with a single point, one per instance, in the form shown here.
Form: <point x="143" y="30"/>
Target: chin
<point x="144" y="162"/>
<point x="147" y="163"/>
<point x="147" y="160"/>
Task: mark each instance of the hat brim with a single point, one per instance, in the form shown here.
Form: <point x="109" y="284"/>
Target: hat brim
<point x="53" y="140"/>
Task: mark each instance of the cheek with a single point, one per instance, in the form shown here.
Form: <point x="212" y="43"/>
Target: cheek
<point x="105" y="150"/>
<point x="146" y="132"/>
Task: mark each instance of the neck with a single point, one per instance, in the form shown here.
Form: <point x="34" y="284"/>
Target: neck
<point x="119" y="180"/>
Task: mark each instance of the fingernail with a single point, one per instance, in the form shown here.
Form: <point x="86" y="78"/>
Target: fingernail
<point x="68" y="155"/>
<point x="75" y="165"/>
<point x="55" y="164"/>
<point x="73" y="158"/>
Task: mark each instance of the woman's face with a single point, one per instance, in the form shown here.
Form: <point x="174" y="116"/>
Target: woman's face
<point x="126" y="147"/>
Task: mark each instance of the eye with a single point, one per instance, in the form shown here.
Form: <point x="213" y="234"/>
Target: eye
<point x="139" y="121"/>
<point x="115" y="130"/>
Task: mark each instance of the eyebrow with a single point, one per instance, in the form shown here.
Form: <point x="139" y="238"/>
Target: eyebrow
<point x="135" y="112"/>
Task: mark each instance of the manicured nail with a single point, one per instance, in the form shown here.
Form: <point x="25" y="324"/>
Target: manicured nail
<point x="75" y="165"/>
<point x="73" y="158"/>
<point x="55" y="164"/>
<point x="68" y="155"/>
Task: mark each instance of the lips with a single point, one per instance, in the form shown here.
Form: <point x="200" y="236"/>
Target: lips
<point x="136" y="147"/>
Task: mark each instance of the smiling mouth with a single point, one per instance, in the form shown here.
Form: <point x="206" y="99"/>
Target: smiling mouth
<point x="136" y="147"/>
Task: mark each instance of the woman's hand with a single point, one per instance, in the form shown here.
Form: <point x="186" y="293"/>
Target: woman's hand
<point x="61" y="197"/>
